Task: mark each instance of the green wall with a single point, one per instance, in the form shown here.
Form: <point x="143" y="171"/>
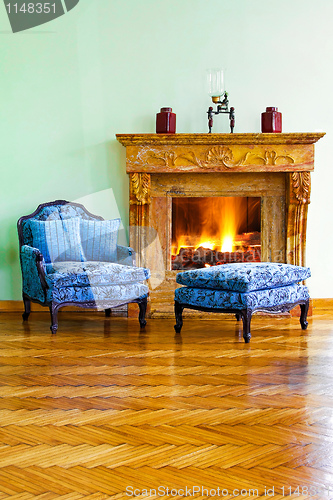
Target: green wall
<point x="106" y="67"/>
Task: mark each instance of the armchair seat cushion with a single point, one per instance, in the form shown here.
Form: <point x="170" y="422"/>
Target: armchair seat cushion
<point x="244" y="277"/>
<point x="103" y="297"/>
<point x="92" y="273"/>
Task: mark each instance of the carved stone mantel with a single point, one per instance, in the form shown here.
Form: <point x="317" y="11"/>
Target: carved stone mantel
<point x="219" y="152"/>
<point x="149" y="157"/>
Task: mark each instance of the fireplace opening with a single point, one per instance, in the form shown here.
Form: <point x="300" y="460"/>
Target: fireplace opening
<point x="209" y="231"/>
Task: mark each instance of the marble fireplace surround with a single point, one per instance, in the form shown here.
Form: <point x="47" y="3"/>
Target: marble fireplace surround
<point x="274" y="167"/>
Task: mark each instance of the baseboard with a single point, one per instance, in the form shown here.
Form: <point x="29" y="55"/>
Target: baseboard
<point x="17" y="306"/>
<point x="322" y="306"/>
<point x="317" y="306"/>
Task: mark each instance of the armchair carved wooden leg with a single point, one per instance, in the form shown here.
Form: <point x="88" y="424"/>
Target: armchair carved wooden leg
<point x="107" y="313"/>
<point x="179" y="316"/>
<point x="238" y="316"/>
<point x="142" y="312"/>
<point x="54" y="317"/>
<point x="27" y="308"/>
<point x="246" y="316"/>
<point x="304" y="314"/>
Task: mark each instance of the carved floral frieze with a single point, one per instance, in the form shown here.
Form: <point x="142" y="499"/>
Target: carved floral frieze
<point x="222" y="156"/>
<point x="217" y="157"/>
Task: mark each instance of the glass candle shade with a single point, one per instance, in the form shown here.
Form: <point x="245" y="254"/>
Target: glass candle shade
<point x="215" y="82"/>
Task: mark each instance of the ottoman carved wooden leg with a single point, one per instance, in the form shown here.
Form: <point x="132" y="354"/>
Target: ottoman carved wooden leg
<point x="179" y="316"/>
<point x="246" y="317"/>
<point x="304" y="314"/>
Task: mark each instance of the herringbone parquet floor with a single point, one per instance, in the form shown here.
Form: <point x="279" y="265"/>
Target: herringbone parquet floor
<point x="103" y="411"/>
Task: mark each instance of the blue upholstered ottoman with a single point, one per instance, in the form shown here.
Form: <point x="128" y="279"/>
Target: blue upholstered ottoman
<point x="242" y="289"/>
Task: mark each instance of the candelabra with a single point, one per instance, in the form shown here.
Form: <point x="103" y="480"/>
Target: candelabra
<point x="215" y="81"/>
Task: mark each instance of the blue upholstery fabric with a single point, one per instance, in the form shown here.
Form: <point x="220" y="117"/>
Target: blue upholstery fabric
<point x="99" y="282"/>
<point x="31" y="282"/>
<point x="67" y="277"/>
<point x="57" y="240"/>
<point x="244" y="277"/>
<point x="220" y="299"/>
<point x="94" y="274"/>
<point x="125" y="255"/>
<point x="104" y="296"/>
<point x="99" y="239"/>
<point x="54" y="212"/>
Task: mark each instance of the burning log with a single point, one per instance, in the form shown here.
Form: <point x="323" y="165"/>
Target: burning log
<point x="187" y="259"/>
<point x="191" y="258"/>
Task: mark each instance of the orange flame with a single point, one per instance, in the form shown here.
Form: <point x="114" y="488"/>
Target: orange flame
<point x="211" y="222"/>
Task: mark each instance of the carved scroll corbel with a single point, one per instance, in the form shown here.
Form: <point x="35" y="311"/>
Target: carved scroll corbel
<point x="299" y="188"/>
<point x="139" y="213"/>
<point x="139" y="199"/>
<point x="140" y="189"/>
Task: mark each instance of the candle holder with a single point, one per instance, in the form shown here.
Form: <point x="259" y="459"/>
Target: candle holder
<point x="215" y="82"/>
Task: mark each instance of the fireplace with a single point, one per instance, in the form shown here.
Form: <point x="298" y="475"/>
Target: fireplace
<point x="209" y="231"/>
<point x="189" y="188"/>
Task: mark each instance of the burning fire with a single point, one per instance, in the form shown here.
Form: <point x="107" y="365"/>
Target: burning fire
<point x="216" y="224"/>
<point x="227" y="244"/>
<point x="205" y="228"/>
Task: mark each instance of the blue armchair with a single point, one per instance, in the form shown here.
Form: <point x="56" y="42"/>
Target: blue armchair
<point x="71" y="257"/>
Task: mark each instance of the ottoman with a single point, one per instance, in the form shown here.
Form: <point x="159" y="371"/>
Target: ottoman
<point x="242" y="289"/>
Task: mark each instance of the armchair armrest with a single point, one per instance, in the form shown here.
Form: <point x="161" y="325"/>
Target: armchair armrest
<point x="125" y="255"/>
<point x="33" y="273"/>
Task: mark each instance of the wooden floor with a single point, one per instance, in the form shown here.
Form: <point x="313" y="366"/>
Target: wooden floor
<point x="101" y="410"/>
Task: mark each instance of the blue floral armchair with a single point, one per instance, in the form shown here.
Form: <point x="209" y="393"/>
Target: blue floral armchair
<point x="71" y="257"/>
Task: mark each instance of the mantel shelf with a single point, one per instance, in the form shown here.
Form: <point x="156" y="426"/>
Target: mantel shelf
<point x="202" y="153"/>
<point x="203" y="139"/>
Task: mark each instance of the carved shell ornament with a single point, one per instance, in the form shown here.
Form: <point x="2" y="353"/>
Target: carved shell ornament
<point x="220" y="155"/>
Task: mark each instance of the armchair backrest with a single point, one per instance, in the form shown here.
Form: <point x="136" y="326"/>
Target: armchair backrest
<point x="55" y="210"/>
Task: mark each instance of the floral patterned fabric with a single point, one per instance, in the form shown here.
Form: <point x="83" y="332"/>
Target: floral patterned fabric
<point x="62" y="274"/>
<point x="244" y="277"/>
<point x="102" y="296"/>
<point x="31" y="282"/>
<point x="220" y="299"/>
<point x="105" y="284"/>
<point x="99" y="282"/>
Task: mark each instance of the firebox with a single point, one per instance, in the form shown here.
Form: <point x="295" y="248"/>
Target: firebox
<point x="208" y="231"/>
